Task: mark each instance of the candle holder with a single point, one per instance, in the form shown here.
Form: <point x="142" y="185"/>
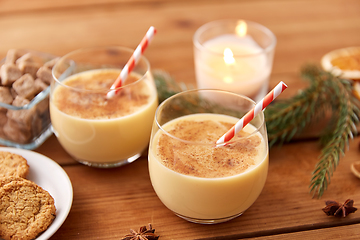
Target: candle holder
<point x="234" y="55"/>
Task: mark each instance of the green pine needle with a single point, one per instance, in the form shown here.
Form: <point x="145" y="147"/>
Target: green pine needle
<point x="326" y="93"/>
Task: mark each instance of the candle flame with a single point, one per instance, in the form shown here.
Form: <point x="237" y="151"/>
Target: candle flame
<point x="229" y="56"/>
<point x="228" y="79"/>
<point x="241" y="28"/>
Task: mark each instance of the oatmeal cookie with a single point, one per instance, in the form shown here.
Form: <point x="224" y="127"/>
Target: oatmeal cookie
<point x="26" y="210"/>
<point x="13" y="165"/>
<point x="6" y="180"/>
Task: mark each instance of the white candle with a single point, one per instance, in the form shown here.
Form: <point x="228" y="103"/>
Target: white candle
<point x="234" y="63"/>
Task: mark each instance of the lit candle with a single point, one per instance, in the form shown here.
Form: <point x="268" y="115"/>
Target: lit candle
<point x="234" y="62"/>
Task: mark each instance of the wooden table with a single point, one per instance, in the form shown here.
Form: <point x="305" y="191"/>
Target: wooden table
<point x="108" y="202"/>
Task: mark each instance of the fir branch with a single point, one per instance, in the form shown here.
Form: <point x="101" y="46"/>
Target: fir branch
<point x="165" y="85"/>
<point x="286" y="118"/>
<point x="336" y="141"/>
<point x="326" y="92"/>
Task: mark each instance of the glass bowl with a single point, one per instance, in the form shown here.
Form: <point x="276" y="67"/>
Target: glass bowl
<point x="25" y="121"/>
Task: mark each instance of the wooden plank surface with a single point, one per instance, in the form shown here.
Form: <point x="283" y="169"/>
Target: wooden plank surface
<point x="108" y="202"/>
<point x="343" y="232"/>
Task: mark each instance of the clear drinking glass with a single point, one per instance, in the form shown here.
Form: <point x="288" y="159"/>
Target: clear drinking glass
<point x="194" y="177"/>
<point x="94" y="129"/>
<point x="234" y="55"/>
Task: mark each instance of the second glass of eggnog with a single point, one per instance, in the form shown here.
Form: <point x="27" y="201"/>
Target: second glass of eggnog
<point x="194" y="177"/>
<point x="93" y="128"/>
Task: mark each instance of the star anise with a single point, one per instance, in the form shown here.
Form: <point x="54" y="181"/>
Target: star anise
<point x="336" y="209"/>
<point x="143" y="234"/>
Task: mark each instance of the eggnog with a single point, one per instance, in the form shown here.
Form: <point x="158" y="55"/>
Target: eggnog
<point x="95" y="129"/>
<point x="200" y="181"/>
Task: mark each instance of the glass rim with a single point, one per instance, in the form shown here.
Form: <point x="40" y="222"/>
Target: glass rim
<point x="122" y="48"/>
<point x="257" y="129"/>
<point x="217" y="23"/>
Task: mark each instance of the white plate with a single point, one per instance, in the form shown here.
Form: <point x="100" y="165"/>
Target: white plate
<point x="50" y="176"/>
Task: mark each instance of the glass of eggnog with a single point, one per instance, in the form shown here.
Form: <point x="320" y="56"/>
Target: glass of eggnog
<point x="194" y="177"/>
<point x="95" y="129"/>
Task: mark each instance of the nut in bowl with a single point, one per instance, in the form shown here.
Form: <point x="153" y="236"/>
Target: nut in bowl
<point x="24" y="98"/>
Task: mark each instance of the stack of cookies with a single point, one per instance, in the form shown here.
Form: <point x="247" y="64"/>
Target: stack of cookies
<point x="26" y="210"/>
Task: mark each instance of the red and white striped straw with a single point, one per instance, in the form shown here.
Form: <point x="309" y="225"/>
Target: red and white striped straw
<point x="134" y="59"/>
<point x="252" y="113"/>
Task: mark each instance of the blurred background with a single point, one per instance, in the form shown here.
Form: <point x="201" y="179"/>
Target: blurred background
<point x="305" y="30"/>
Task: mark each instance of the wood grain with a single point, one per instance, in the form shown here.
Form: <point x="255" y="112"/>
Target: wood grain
<point x="305" y="30"/>
<point x="343" y="232"/>
<point x="125" y="199"/>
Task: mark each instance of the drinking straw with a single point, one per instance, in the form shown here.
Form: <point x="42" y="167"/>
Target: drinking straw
<point x="134" y="59"/>
<point x="252" y="113"/>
